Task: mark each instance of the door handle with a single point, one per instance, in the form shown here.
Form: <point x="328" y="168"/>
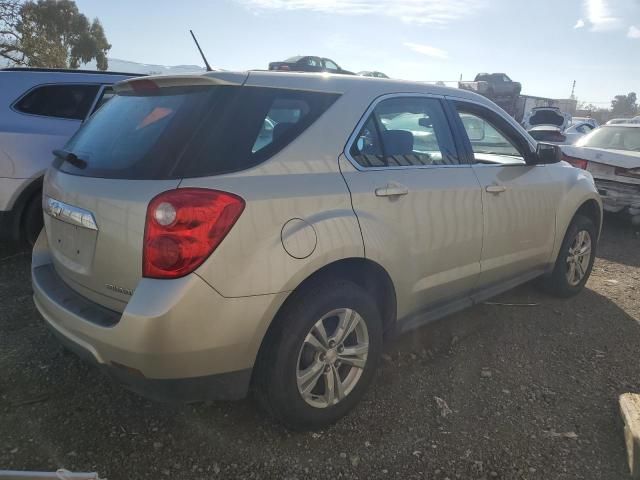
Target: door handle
<point x="391" y="190"/>
<point x="495" y="188"/>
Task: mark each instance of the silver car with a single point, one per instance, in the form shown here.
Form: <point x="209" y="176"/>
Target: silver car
<point x="39" y="110"/>
<point x="209" y="234"/>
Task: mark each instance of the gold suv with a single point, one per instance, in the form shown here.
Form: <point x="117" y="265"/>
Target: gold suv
<point x="209" y="234"/>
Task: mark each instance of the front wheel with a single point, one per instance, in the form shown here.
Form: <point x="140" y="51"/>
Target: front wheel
<point x="322" y="355"/>
<point x="575" y="259"/>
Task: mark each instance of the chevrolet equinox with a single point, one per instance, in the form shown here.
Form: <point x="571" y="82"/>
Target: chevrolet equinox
<point x="213" y="234"/>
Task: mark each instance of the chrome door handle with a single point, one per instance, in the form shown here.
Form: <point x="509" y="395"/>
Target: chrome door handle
<point x="391" y="190"/>
<point x="495" y="188"/>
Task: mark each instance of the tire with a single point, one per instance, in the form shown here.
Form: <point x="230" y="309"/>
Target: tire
<point x="287" y="353"/>
<point x="558" y="284"/>
<point x="32" y="221"/>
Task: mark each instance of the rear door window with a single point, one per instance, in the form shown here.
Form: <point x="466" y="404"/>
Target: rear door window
<point x="72" y="102"/>
<point x="405" y="132"/>
<point x="181" y="132"/>
<point x="328" y="64"/>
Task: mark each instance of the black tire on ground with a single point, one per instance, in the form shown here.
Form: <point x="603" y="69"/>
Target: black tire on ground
<point x="557" y="283"/>
<point x="275" y="383"/>
<point x="32" y="222"/>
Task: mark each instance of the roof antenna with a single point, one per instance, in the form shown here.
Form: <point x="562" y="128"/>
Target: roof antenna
<point x="206" y="64"/>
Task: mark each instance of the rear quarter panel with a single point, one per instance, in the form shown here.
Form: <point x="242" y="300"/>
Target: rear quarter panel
<point x="302" y="181"/>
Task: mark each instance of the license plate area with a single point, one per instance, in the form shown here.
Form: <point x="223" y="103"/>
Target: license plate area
<point x="73" y="246"/>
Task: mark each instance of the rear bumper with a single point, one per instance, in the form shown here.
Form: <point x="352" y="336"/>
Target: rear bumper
<point x="223" y="386"/>
<point x="619" y="197"/>
<point x="175" y="340"/>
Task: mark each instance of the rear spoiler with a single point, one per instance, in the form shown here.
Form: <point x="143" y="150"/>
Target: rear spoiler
<point x="163" y="81"/>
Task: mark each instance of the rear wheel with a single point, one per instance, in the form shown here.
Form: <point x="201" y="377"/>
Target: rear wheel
<point x="322" y="355"/>
<point x="575" y="259"/>
<point x="32" y="219"/>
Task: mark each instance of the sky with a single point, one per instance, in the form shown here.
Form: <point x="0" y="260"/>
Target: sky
<point x="544" y="44"/>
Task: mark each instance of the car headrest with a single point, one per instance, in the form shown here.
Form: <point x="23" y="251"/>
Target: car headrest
<point x="280" y="129"/>
<point x="397" y="142"/>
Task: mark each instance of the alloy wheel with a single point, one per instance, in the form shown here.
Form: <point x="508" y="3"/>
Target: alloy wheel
<point x="578" y="257"/>
<point x="332" y="358"/>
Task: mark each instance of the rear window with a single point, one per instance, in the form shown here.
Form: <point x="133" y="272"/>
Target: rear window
<point x="61" y="101"/>
<point x="191" y="132"/>
<point x="614" y="138"/>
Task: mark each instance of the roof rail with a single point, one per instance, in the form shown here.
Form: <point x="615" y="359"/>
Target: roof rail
<point x="67" y="70"/>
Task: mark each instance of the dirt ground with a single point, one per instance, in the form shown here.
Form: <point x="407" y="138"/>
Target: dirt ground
<point x="493" y="392"/>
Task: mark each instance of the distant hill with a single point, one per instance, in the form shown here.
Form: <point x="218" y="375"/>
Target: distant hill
<point x="117" y="65"/>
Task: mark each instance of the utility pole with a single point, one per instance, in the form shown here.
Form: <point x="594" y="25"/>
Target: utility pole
<point x="573" y="89"/>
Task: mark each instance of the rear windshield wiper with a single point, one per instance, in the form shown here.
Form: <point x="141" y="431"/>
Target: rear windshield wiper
<point x="71" y="158"/>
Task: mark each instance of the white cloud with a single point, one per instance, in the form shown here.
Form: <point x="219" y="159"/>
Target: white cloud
<point x="633" y="32"/>
<point x="434" y="12"/>
<point x="579" y="23"/>
<point x="600" y="16"/>
<point x="427" y="50"/>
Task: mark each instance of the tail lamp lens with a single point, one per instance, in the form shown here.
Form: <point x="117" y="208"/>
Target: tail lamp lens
<point x="183" y="227"/>
<point x="576" y="162"/>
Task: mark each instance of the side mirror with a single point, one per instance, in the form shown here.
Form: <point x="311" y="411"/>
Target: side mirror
<point x="547" y="153"/>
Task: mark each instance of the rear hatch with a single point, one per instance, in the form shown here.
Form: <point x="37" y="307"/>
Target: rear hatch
<point x="547" y="133"/>
<point x="130" y="151"/>
<point x="153" y="133"/>
<point x="547" y="116"/>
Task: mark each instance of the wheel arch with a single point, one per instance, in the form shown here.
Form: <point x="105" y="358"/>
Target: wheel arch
<point x="23" y="198"/>
<point x="589" y="207"/>
<point x="364" y="272"/>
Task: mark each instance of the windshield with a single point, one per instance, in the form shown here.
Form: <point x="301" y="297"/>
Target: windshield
<point x="614" y="138"/>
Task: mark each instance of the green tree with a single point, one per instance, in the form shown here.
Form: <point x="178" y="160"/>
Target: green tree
<point x="9" y="36"/>
<point x="52" y="34"/>
<point x="624" y="105"/>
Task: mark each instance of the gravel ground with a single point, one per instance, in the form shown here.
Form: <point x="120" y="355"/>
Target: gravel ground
<point x="494" y="392"/>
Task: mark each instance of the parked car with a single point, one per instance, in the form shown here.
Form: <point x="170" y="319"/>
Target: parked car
<point x="589" y="120"/>
<point x="550" y="124"/>
<point x="308" y="64"/>
<point x="192" y="260"/>
<point x="492" y="85"/>
<point x="39" y="110"/>
<point x="373" y="74"/>
<point x="553" y="134"/>
<point x="618" y="121"/>
<point x="611" y="154"/>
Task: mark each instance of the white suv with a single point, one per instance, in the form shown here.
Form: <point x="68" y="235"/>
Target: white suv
<point x="39" y="110"/>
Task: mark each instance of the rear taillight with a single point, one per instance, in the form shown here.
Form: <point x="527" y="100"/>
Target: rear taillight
<point x="183" y="227"/>
<point x="284" y="68"/>
<point x="576" y="162"/>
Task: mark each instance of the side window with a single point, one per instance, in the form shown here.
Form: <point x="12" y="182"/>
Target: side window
<point x="312" y="62"/>
<point x="60" y="101"/>
<point x="283" y="115"/>
<point x="489" y="141"/>
<point x="405" y="132"/>
<point x="330" y="65"/>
